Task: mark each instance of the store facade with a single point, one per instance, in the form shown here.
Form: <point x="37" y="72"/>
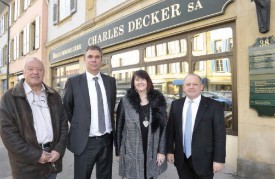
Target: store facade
<point x="170" y="39"/>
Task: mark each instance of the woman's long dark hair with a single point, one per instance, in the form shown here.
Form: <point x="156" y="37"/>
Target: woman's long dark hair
<point x="144" y="75"/>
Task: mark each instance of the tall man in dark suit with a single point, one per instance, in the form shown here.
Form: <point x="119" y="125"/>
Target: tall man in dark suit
<point x="89" y="101"/>
<point x="196" y="133"/>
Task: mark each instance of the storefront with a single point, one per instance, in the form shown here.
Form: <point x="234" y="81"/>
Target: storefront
<point x="170" y="39"/>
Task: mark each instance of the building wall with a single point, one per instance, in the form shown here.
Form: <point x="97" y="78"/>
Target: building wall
<point x="66" y="25"/>
<point x="37" y="8"/>
<point x="256" y="134"/>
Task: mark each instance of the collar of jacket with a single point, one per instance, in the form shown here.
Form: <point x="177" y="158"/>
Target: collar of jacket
<point x="19" y="91"/>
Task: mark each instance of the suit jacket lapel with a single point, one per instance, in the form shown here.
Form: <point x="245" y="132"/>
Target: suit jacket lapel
<point x="180" y="117"/>
<point x="201" y="111"/>
<point x="84" y="88"/>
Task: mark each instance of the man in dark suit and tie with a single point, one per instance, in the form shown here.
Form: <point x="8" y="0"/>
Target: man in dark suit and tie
<point x="196" y="133"/>
<point x="89" y="101"/>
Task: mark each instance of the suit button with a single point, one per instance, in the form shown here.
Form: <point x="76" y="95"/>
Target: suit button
<point x="88" y="129"/>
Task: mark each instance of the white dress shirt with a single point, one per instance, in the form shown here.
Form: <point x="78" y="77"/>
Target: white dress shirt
<point x="94" y="106"/>
<point x="195" y="105"/>
<point x="41" y="114"/>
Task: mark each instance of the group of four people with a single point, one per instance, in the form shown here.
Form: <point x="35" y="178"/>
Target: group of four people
<point x="34" y="126"/>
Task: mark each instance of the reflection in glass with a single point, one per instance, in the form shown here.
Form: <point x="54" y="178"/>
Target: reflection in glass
<point x="166" y="50"/>
<point x="212" y="42"/>
<point x="125" y="59"/>
<point x="217" y="80"/>
<point x="61" y="74"/>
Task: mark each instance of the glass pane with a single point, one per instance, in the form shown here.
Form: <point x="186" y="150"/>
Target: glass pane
<point x="217" y="80"/>
<point x="212" y="42"/>
<point x="125" y="59"/>
<point x="61" y="74"/>
<point x="164" y="51"/>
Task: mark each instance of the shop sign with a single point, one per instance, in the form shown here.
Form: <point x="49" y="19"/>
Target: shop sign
<point x="157" y="17"/>
<point x="262" y="76"/>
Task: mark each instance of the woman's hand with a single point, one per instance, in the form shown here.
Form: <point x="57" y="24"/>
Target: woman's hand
<point x="160" y="159"/>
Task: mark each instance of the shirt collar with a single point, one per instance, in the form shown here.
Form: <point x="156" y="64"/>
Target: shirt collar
<point x="197" y="100"/>
<point x="91" y="76"/>
<point x="28" y="89"/>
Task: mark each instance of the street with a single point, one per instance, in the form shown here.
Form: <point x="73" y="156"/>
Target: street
<point x="67" y="173"/>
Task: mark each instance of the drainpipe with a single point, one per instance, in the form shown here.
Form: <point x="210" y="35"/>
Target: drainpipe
<point x="8" y="44"/>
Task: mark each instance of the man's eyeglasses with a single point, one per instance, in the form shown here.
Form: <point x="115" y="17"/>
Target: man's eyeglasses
<point x="40" y="102"/>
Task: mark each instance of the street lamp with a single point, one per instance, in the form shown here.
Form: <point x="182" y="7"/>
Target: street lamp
<point x="8" y="44"/>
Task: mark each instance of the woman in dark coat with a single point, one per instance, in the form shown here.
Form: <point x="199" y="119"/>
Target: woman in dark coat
<point x="141" y="130"/>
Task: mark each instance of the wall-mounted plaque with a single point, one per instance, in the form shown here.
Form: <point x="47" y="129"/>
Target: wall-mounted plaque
<point x="262" y="76"/>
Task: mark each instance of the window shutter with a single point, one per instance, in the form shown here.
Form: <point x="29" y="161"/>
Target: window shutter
<point x="55" y="12"/>
<point x="73" y="6"/>
<point x="10" y="16"/>
<point x="15" y="10"/>
<point x="17" y="45"/>
<point x="14" y="47"/>
<point x="28" y="38"/>
<point x="1" y="26"/>
<point x="18" y="7"/>
<point x="32" y="36"/>
<point x="37" y="32"/>
<point x="25" y="4"/>
<point x="24" y="40"/>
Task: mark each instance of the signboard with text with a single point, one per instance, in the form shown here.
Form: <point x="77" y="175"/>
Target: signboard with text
<point x="262" y="76"/>
<point x="157" y="17"/>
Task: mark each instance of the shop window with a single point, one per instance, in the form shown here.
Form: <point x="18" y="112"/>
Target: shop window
<point x="185" y="67"/>
<point x="63" y="9"/>
<point x="174" y="68"/>
<point x="162" y="69"/>
<point x="218" y="86"/>
<point x="61" y="74"/>
<point x="151" y="70"/>
<point x="219" y="65"/>
<point x="150" y="51"/>
<point x="200" y="66"/>
<point x="125" y="59"/>
<point x="211" y="42"/>
<point x="174" y="47"/>
<point x="161" y="49"/>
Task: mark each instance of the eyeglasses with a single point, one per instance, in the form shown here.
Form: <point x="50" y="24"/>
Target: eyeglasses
<point x="40" y="102"/>
<point x="53" y="168"/>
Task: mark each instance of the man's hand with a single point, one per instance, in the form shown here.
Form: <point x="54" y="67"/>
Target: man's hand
<point x="170" y="158"/>
<point x="217" y="166"/>
<point x="54" y="156"/>
<point x="45" y="157"/>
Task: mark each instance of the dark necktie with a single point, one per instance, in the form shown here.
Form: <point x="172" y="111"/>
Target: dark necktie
<point x="188" y="131"/>
<point x="101" y="116"/>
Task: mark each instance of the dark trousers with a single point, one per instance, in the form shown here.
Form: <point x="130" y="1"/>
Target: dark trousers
<point x="187" y="171"/>
<point x="98" y="151"/>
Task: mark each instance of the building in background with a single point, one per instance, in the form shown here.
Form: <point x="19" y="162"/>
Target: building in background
<point x="28" y="36"/>
<point x="168" y="39"/>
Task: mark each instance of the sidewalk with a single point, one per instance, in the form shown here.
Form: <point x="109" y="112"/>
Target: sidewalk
<point x="67" y="173"/>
